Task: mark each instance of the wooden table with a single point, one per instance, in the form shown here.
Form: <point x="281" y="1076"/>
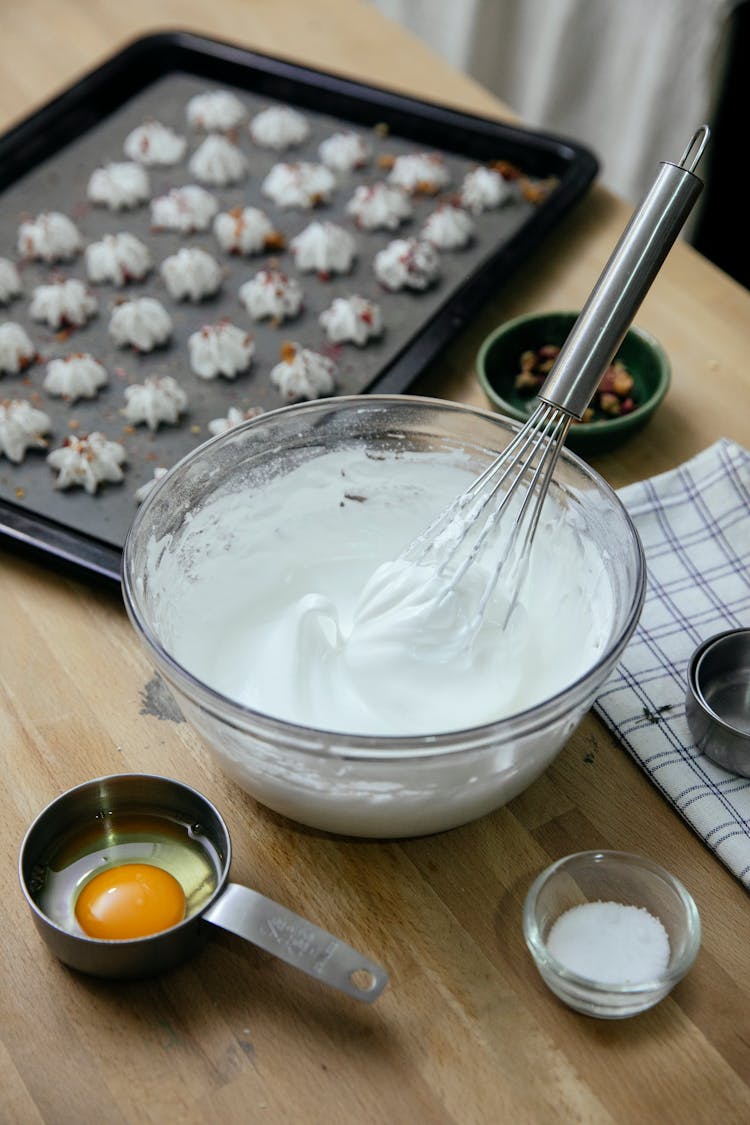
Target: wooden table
<point x="466" y="1031"/>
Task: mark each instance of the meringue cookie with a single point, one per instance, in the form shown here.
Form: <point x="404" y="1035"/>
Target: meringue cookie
<point x="325" y="248"/>
<point x="16" y="349"/>
<point x="303" y="374"/>
<point x="484" y="189"/>
<point x="279" y="127"/>
<point x="10" y="281"/>
<point x="76" y="376"/>
<point x="159" y="398"/>
<point x="184" y="209"/>
<point x="351" y="319"/>
<point x="216" y="111"/>
<point x="407" y="263"/>
<point x="301" y="185"/>
<point x="118" y="258"/>
<point x="119" y="186"/>
<point x="233" y="418"/>
<point x="87" y="461"/>
<point x="63" y="303"/>
<point x="142" y="492"/>
<point x="220" y="349"/>
<point x="154" y="144"/>
<point x="448" y="227"/>
<point x="379" y="206"/>
<point x="21" y="428"/>
<point x="218" y="161"/>
<point x="344" y="151"/>
<point x="142" y="323"/>
<point x="271" y="294"/>
<point x="246" y="230"/>
<point x="191" y="274"/>
<point x="50" y="237"/>
<point x="421" y="173"/>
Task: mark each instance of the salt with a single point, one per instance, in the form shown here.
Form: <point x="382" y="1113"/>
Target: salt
<point x="610" y="943"/>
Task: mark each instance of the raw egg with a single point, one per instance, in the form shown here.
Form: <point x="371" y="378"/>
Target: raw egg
<point x="117" y="871"/>
<point x="131" y="900"/>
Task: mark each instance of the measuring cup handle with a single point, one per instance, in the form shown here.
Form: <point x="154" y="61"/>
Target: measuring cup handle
<point x="286" y="935"/>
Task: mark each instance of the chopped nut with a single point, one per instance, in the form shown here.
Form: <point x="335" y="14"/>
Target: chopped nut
<point x="623" y="380"/>
<point x="527" y="381"/>
<point x="609" y="404"/>
<point x="507" y="170"/>
<point x="537" y="191"/>
<point x="607" y="384"/>
<point x="613" y="396"/>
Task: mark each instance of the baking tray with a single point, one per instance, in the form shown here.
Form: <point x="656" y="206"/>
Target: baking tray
<point x="45" y="163"/>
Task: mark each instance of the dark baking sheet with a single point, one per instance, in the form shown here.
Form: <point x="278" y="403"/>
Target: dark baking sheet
<point x="45" y="164"/>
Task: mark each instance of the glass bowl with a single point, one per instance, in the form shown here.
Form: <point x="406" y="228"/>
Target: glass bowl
<point x="361" y="785"/>
<point x="611" y="877"/>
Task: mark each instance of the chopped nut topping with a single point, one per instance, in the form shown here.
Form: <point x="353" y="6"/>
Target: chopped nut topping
<point x="613" y="397"/>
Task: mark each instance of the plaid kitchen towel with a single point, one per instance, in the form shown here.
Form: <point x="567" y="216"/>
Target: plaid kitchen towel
<point x="694" y="523"/>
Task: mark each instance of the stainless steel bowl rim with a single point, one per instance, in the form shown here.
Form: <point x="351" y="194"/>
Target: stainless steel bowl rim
<point x="694" y="682"/>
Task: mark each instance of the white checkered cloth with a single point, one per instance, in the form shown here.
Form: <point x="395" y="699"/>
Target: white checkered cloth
<point x="694" y="523"/>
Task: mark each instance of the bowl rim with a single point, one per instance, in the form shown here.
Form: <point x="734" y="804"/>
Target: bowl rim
<point x="584" y="429"/>
<point x="695" y="683"/>
<point x="352" y="746"/>
<point x="545" y="960"/>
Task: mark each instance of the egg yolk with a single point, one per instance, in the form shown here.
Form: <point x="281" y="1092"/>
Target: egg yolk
<point x="130" y="901"/>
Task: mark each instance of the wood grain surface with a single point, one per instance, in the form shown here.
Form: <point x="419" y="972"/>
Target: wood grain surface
<point x="466" y="1031"/>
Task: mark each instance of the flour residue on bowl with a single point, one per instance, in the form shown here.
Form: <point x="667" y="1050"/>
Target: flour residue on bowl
<point x="263" y="595"/>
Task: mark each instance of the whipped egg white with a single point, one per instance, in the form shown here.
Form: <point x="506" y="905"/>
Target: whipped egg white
<point x="291" y="599"/>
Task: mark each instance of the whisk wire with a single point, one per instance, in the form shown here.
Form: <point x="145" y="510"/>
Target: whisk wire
<point x="453" y="542"/>
<point x="527" y="463"/>
<point x="545" y="434"/>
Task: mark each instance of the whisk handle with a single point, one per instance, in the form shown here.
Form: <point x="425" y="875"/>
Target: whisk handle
<point x="624" y="282"/>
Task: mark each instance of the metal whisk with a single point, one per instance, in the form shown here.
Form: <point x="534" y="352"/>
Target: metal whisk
<point x="524" y="470"/>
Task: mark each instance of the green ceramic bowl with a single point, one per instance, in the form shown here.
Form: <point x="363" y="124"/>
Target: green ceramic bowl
<point x="498" y="363"/>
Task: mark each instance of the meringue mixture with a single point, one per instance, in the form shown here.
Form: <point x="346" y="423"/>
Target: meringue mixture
<point x="287" y="599"/>
<point x="215" y="110"/>
<point x="120" y="186"/>
<point x="142" y="323"/>
<point x="17" y="352"/>
<point x="154" y="145"/>
<point x="63" y="302"/>
<point x="218" y="161"/>
<point x="50" y="237"/>
<point x="10" y="281"/>
<point x="75" y="376"/>
<point x="184" y="209"/>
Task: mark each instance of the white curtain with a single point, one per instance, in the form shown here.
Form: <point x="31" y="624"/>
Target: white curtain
<point x="632" y="79"/>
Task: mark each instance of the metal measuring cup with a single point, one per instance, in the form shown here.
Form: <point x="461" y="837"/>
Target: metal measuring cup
<point x="717" y="701"/>
<point x="232" y="907"/>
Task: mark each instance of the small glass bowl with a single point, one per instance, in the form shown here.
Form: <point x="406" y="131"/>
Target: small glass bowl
<point x="609" y="876"/>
